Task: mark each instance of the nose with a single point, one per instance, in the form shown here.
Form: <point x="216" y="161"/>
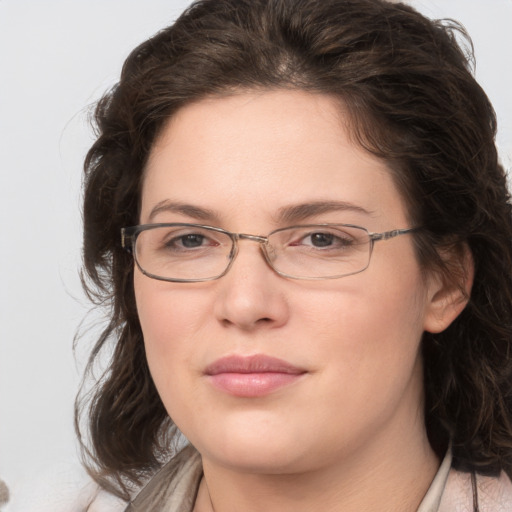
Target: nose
<point x="251" y="295"/>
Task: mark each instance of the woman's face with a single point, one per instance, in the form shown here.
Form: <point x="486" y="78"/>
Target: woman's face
<point x="349" y="380"/>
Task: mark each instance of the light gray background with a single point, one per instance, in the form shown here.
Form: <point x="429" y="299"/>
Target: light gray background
<point x="56" y="58"/>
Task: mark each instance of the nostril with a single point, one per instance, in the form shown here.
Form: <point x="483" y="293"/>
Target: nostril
<point x="226" y="322"/>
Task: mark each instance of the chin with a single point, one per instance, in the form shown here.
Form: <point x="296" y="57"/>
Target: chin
<point x="259" y="460"/>
<point x="252" y="450"/>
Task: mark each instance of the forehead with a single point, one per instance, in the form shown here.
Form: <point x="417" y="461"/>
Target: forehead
<point x="258" y="151"/>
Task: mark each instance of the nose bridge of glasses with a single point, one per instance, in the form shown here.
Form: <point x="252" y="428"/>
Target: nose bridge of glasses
<point x="263" y="242"/>
<point x="254" y="238"/>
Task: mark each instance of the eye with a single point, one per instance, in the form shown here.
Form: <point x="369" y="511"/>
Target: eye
<point x="190" y="241"/>
<point x="180" y="239"/>
<point x="325" y="240"/>
<point x="321" y="239"/>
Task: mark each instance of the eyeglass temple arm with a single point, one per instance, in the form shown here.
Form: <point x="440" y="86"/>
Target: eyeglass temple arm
<point x="390" y="234"/>
<point x="126" y="240"/>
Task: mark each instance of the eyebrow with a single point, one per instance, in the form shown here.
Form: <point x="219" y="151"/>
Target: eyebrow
<point x="188" y="210"/>
<point x="285" y="215"/>
<point x="298" y="212"/>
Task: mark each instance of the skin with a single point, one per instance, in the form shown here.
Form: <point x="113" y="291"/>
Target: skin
<point x="349" y="434"/>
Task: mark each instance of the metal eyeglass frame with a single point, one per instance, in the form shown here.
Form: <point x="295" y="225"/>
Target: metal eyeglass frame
<point x="129" y="238"/>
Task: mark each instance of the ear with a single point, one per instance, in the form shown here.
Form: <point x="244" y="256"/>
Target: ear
<point x="448" y="293"/>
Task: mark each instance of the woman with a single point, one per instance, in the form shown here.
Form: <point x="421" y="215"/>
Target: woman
<point x="295" y="212"/>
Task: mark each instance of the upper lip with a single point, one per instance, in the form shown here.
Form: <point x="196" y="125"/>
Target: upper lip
<point x="258" y="363"/>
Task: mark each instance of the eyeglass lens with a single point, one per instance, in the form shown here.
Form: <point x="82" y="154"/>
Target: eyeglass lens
<point x="197" y="253"/>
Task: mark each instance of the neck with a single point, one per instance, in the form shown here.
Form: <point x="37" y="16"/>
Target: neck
<point x="389" y="480"/>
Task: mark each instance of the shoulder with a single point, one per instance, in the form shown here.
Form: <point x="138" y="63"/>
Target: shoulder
<point x="106" y="502"/>
<point x="174" y="487"/>
<point x="494" y="493"/>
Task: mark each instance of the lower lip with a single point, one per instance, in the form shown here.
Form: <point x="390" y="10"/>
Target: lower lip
<point x="252" y="385"/>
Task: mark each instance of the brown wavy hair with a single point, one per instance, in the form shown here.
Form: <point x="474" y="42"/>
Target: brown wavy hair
<point x="412" y="100"/>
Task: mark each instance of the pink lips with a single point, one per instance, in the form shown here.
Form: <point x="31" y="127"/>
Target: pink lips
<point x="251" y="376"/>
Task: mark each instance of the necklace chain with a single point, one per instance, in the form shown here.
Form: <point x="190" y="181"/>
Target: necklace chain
<point x="209" y="494"/>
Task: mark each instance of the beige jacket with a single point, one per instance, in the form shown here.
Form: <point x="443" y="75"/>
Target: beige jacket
<point x="450" y="491"/>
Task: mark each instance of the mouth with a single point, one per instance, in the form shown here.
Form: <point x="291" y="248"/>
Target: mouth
<point x="251" y="376"/>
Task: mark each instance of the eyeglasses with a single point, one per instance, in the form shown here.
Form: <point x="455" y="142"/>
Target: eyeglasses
<point x="180" y="252"/>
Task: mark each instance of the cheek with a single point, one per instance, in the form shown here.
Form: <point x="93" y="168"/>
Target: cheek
<point x="169" y="312"/>
<point x="368" y="337"/>
<point x="169" y="321"/>
<point x="368" y="313"/>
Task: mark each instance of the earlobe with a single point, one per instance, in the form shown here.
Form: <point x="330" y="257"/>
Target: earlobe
<point x="449" y="292"/>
